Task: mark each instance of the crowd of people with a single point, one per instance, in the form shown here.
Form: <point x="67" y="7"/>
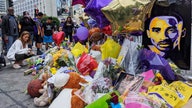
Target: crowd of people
<point x="18" y="36"/>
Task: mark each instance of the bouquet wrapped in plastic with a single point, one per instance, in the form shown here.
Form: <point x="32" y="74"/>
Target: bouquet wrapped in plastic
<point x="86" y="64"/>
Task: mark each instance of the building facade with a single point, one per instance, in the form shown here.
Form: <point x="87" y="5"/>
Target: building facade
<point x="3" y="7"/>
<point x="48" y="7"/>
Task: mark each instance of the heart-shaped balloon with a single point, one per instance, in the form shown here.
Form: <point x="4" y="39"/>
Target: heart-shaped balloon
<point x="107" y="30"/>
<point x="58" y="37"/>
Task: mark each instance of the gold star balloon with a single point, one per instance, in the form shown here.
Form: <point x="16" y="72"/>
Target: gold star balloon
<point x="130" y="14"/>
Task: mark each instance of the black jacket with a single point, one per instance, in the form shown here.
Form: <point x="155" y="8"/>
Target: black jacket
<point x="27" y="24"/>
<point x="68" y="28"/>
<point x="5" y="25"/>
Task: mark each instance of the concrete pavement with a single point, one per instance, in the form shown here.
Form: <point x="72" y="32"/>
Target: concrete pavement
<point x="13" y="84"/>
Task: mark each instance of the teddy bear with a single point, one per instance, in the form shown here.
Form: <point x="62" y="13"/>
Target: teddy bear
<point x="96" y="48"/>
<point x="69" y="83"/>
<point x="43" y="100"/>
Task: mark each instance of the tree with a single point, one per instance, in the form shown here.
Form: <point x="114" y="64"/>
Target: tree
<point x="55" y="20"/>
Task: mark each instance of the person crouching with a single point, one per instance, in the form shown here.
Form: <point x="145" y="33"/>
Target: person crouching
<point x="19" y="50"/>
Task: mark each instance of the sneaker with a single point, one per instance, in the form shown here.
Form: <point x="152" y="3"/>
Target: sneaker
<point x="16" y="66"/>
<point x="39" y="52"/>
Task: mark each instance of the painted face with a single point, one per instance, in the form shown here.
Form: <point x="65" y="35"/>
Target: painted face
<point x="25" y="37"/>
<point x="165" y="32"/>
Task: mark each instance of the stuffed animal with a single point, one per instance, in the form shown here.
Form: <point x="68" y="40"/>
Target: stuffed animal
<point x="67" y="98"/>
<point x="45" y="77"/>
<point x="74" y="81"/>
<point x="33" y="88"/>
<point x="43" y="100"/>
<point x="96" y="47"/>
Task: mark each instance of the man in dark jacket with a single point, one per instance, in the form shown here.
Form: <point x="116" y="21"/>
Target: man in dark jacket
<point x="10" y="29"/>
<point x="27" y="24"/>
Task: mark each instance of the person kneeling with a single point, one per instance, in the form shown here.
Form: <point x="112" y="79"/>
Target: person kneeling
<point x="19" y="50"/>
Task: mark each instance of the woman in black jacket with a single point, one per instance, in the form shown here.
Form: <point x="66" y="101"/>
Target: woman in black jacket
<point x="68" y="28"/>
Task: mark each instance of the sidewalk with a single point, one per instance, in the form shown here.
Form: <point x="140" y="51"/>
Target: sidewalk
<point x="13" y="85"/>
<point x="12" y="89"/>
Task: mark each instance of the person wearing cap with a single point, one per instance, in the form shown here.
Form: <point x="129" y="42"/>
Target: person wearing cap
<point x="27" y="24"/>
<point x="62" y="24"/>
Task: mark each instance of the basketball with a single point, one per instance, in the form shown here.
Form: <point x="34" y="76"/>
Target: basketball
<point x="33" y="88"/>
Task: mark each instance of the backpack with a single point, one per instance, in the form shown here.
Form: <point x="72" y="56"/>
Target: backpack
<point x="2" y="57"/>
<point x="2" y="60"/>
<point x="35" y="27"/>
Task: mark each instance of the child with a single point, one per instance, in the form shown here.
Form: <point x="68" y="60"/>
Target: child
<point x="47" y="32"/>
<point x="59" y="37"/>
<point x="19" y="50"/>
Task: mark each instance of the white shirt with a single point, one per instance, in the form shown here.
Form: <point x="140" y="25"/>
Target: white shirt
<point x="17" y="48"/>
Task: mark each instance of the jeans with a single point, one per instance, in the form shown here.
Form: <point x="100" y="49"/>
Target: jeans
<point x="31" y="37"/>
<point x="11" y="39"/>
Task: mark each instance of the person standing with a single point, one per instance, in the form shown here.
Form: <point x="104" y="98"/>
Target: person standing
<point x="1" y="41"/>
<point x="1" y="27"/>
<point x="10" y="29"/>
<point x="62" y="23"/>
<point x="68" y="27"/>
<point x="39" y="39"/>
<point x="47" y="32"/>
<point x="27" y="24"/>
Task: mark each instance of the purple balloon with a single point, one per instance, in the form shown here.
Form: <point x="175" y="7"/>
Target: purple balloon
<point x="82" y="33"/>
<point x="86" y="2"/>
<point x="93" y="9"/>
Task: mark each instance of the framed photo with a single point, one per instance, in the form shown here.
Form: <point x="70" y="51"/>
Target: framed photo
<point x="127" y="82"/>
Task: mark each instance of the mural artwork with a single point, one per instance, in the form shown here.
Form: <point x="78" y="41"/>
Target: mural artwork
<point x="168" y="32"/>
